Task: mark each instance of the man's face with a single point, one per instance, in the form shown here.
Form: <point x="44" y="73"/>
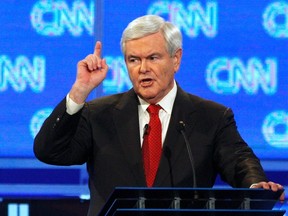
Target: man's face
<point x="150" y="67"/>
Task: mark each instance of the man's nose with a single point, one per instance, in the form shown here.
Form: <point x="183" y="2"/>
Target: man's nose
<point x="143" y="66"/>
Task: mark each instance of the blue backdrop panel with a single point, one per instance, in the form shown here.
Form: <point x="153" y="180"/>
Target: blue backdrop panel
<point x="40" y="44"/>
<point x="235" y="52"/>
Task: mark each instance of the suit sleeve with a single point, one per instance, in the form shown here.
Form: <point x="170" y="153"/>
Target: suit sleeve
<point x="236" y="162"/>
<point x="63" y="139"/>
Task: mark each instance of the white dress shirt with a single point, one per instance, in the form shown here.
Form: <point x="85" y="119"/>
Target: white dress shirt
<point x="164" y="114"/>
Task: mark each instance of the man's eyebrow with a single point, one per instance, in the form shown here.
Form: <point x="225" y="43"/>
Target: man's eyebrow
<point x="132" y="56"/>
<point x="149" y="55"/>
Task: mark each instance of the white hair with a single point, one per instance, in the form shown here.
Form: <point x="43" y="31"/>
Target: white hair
<point x="150" y="24"/>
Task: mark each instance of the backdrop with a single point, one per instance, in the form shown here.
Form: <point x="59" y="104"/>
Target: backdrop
<point x="235" y="53"/>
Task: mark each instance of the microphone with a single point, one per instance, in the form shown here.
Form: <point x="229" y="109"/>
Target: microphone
<point x="181" y="128"/>
<point x="146" y="130"/>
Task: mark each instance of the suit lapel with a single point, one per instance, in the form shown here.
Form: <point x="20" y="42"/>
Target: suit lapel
<point x="127" y="123"/>
<point x="174" y="145"/>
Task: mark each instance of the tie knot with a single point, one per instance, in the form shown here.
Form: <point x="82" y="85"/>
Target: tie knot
<point x="153" y="109"/>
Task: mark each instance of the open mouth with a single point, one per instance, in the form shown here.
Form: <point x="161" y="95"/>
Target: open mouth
<point x="146" y="82"/>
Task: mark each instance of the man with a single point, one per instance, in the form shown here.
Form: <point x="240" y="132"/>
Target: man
<point x="109" y="133"/>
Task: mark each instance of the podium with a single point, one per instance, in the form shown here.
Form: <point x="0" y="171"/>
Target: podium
<point x="126" y="201"/>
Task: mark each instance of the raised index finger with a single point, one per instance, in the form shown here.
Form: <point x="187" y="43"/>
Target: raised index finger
<point x="97" y="49"/>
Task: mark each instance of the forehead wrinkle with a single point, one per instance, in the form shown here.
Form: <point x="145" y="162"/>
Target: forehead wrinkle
<point x="147" y="45"/>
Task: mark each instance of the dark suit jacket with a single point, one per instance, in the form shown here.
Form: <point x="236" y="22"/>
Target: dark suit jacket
<point x="105" y="134"/>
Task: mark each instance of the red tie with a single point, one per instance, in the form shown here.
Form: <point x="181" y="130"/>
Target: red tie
<point x="152" y="145"/>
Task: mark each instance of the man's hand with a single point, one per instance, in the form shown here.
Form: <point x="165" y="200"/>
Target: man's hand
<point x="91" y="71"/>
<point x="270" y="186"/>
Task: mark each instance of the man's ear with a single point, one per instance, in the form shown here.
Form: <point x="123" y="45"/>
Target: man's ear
<point x="177" y="59"/>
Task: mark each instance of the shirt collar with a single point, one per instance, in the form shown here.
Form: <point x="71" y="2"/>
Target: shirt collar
<point x="166" y="103"/>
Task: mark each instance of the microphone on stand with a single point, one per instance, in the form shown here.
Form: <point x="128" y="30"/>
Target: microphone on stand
<point x="181" y="128"/>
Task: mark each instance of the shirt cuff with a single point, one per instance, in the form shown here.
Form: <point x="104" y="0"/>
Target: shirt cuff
<point x="253" y="185"/>
<point x="71" y="106"/>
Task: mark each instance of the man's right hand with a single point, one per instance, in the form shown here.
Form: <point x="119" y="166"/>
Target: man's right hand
<point x="91" y="71"/>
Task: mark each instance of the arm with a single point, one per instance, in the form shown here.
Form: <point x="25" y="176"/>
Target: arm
<point x="64" y="139"/>
<point x="57" y="143"/>
<point x="236" y="161"/>
<point x="240" y="166"/>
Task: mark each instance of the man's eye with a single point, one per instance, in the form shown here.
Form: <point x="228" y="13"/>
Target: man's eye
<point x="132" y="60"/>
<point x="153" y="58"/>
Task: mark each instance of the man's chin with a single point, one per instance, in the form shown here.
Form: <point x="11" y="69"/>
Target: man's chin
<point x="152" y="99"/>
